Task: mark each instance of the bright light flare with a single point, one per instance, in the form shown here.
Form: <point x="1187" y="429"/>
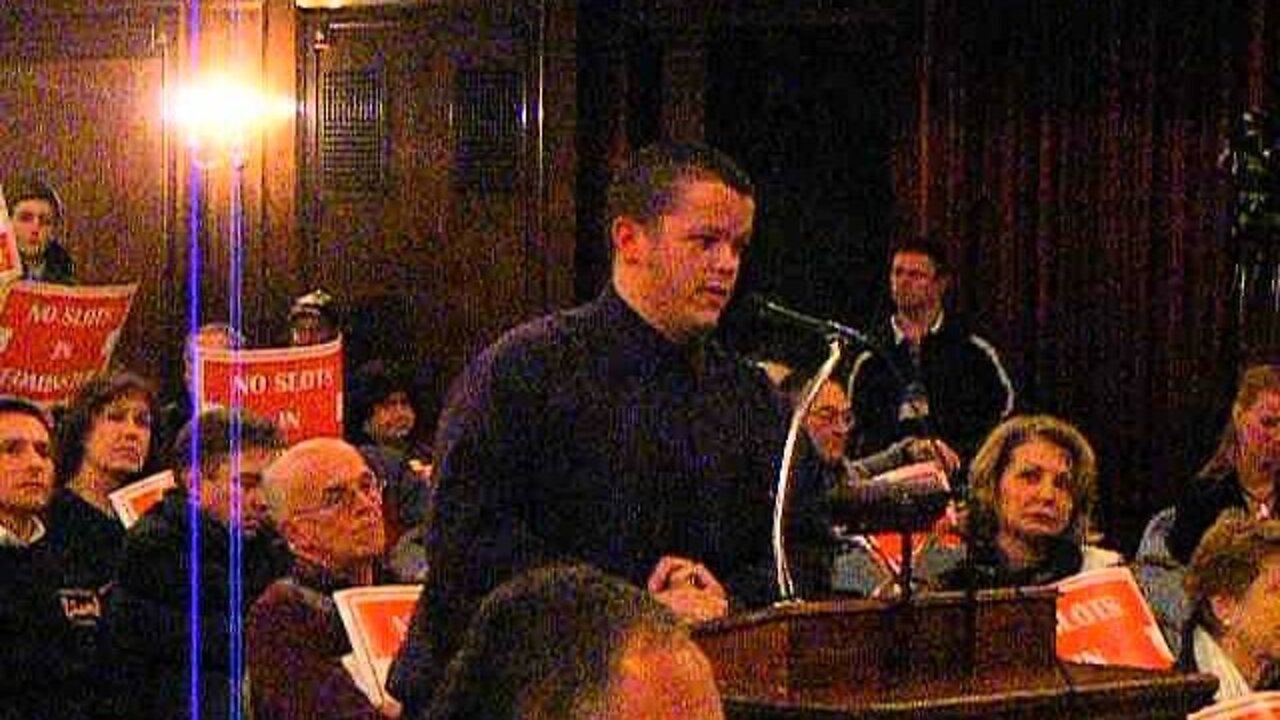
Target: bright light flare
<point x="221" y="113"/>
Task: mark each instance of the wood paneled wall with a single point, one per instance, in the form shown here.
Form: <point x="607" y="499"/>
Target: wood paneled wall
<point x="436" y="270"/>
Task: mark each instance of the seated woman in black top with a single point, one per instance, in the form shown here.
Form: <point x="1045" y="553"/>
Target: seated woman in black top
<point x="1032" y="485"/>
<point x="1242" y="472"/>
<point x="104" y="443"/>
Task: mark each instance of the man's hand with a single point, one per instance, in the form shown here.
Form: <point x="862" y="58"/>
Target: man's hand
<point x="926" y="449"/>
<point x="688" y="589"/>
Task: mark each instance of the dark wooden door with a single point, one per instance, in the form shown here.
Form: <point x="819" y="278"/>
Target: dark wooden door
<point x="418" y="203"/>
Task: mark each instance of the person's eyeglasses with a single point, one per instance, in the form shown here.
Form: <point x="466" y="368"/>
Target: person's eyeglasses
<point x="347" y="497"/>
<point x="26" y="216"/>
<point x="831" y="416"/>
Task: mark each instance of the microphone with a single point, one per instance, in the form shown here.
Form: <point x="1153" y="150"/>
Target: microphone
<point x="910" y="498"/>
<point x="771" y="310"/>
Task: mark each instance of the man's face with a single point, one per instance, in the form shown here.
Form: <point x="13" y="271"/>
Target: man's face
<point x="1033" y="499"/>
<point x="34" y="221"/>
<point x="686" y="261"/>
<point x="26" y="466"/>
<point x="310" y="329"/>
<point x="216" y="490"/>
<point x="664" y="680"/>
<point x="335" y="511"/>
<point x="829" y="421"/>
<point x="120" y="436"/>
<point x="392" y="419"/>
<point x="915" y="284"/>
<point x="1254" y="617"/>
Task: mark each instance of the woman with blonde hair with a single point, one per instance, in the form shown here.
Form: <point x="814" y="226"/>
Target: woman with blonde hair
<point x="1032" y="488"/>
<point x="1242" y="472"/>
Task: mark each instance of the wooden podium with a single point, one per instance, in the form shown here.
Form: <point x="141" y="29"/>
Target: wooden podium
<point x="942" y="656"/>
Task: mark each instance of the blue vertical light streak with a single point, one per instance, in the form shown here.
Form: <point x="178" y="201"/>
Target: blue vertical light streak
<point x="237" y="512"/>
<point x="194" y="188"/>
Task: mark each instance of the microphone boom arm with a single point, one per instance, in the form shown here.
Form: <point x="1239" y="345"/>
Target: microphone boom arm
<point x="786" y="586"/>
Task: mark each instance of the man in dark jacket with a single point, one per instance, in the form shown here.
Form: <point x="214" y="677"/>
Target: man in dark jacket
<point x="619" y="434"/>
<point x="149" y="624"/>
<point x="36" y="211"/>
<point x="47" y="623"/>
<point x="935" y="377"/>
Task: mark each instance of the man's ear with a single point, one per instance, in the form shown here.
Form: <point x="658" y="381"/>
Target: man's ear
<point x="1223" y="607"/>
<point x="626" y="234"/>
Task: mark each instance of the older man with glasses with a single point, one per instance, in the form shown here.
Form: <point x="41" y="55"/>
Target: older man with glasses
<point x="327" y="505"/>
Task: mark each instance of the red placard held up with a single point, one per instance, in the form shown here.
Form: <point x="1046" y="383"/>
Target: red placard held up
<point x="300" y="388"/>
<point x="53" y="338"/>
<point x="1104" y="620"/>
<point x="377" y="620"/>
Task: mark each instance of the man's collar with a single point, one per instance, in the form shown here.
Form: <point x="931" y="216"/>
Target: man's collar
<point x="899" y="335"/>
<point x="1212" y="659"/>
<point x="8" y="538"/>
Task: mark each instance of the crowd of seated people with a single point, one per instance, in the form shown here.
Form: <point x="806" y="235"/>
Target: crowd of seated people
<point x="100" y="622"/>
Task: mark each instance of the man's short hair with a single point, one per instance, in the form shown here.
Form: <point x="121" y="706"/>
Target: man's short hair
<point x="30" y="187"/>
<point x="235" y="338"/>
<point x="209" y="435"/>
<point x="645" y="188"/>
<point x="547" y="644"/>
<point x="996" y="452"/>
<point x="927" y="246"/>
<point x="22" y="406"/>
<point x="318" y="303"/>
<point x="1228" y="560"/>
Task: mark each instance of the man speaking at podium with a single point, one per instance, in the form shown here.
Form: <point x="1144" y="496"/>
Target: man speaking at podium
<point x="617" y="433"/>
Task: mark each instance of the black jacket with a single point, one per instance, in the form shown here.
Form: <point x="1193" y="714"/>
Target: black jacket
<point x="58" y="268"/>
<point x="48" y="630"/>
<point x="967" y="388"/>
<point x="1198" y="510"/>
<point x="147" y="622"/>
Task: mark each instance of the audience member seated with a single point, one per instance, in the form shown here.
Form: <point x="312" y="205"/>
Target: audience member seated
<point x="325" y="500"/>
<point x="944" y="380"/>
<point x="856" y="568"/>
<point x="47" y="621"/>
<point x="104" y="443"/>
<point x="313" y="319"/>
<point x="1032" y="486"/>
<point x="572" y="642"/>
<point x="1234" y="582"/>
<point x="148" y="622"/>
<point x="831" y="428"/>
<point x="177" y="412"/>
<point x="1242" y="472"/>
<point x="384" y="424"/>
<point x="37" y="213"/>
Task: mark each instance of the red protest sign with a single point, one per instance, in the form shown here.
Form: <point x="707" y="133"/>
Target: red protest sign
<point x="53" y="338"/>
<point x="1104" y="620"/>
<point x="300" y="388"/>
<point x="377" y="620"/>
